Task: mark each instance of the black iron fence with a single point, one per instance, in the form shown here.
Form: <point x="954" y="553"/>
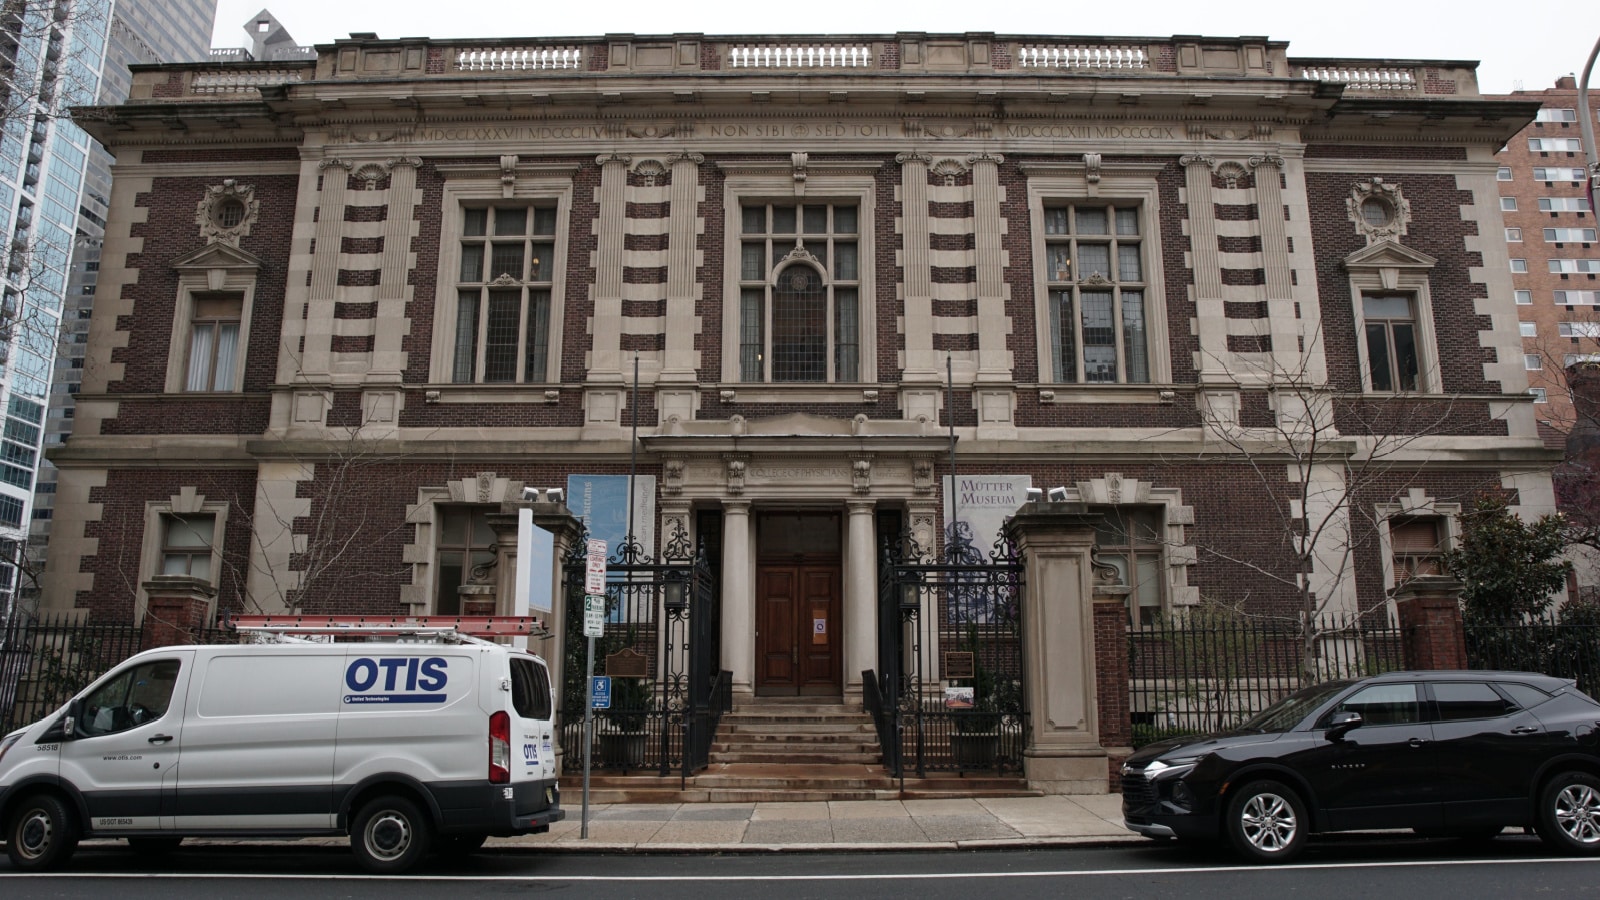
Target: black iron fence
<point x="1564" y="648"/>
<point x="1205" y="671"/>
<point x="45" y="660"/>
<point x="951" y="694"/>
<point x="660" y="647"/>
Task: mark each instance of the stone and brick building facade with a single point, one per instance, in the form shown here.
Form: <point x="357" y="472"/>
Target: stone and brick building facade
<point x="349" y="309"/>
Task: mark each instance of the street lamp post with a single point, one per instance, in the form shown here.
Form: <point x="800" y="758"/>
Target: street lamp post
<point x="1586" y="117"/>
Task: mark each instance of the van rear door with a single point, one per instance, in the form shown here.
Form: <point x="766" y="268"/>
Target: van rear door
<point x="532" y="720"/>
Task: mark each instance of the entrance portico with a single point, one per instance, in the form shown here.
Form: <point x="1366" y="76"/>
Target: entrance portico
<point x="799" y="610"/>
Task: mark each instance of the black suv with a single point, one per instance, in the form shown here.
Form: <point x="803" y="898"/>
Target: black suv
<point x="1444" y="753"/>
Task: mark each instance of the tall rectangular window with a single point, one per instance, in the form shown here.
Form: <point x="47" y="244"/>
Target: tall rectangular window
<point x="1095" y="273"/>
<point x="503" y="295"/>
<point x="1391" y="330"/>
<point x="799" y="292"/>
<point x="213" y="343"/>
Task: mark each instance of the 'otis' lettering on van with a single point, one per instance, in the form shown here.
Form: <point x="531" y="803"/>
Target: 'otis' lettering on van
<point x="400" y="679"/>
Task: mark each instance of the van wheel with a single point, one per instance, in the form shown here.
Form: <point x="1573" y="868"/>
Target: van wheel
<point x="154" y="846"/>
<point x="42" y="833"/>
<point x="390" y="835"/>
<point x="458" y="845"/>
<point x="1568" y="817"/>
<point x="1267" y="822"/>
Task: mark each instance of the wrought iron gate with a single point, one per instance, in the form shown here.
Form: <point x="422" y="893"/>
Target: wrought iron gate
<point x="949" y="694"/>
<point x="661" y="644"/>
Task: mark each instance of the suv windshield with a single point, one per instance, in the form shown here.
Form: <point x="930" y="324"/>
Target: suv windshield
<point x="1288" y="712"/>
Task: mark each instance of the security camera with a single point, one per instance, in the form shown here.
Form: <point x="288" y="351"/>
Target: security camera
<point x="530" y="494"/>
<point x="1058" y="495"/>
<point x="555" y="495"/>
<point x="1035" y="495"/>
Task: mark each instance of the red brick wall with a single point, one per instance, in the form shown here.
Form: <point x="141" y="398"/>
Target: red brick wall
<point x="168" y="234"/>
<point x="120" y="534"/>
<point x="1437" y="229"/>
<point x="1111" y="683"/>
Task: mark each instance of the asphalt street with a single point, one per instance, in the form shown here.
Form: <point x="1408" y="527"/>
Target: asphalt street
<point x="1341" y="867"/>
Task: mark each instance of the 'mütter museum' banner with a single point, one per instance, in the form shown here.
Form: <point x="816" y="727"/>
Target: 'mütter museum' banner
<point x="982" y="505"/>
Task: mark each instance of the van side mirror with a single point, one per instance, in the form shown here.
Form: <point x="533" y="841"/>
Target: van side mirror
<point x="1341" y="723"/>
<point x="65" y="728"/>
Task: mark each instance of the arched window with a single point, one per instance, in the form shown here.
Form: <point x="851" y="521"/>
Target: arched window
<point x="799" y="300"/>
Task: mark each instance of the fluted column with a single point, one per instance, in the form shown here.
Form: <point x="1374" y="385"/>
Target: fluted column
<point x="738" y="597"/>
<point x="860" y="598"/>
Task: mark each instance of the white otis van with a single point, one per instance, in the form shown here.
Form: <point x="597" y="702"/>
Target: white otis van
<point x="414" y="739"/>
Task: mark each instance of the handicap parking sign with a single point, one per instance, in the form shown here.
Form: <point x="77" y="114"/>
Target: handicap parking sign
<point x="602" y="692"/>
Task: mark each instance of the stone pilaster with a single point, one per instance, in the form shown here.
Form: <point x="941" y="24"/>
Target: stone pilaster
<point x="1204" y="256"/>
<point x="678" y="395"/>
<point x="920" y="364"/>
<point x="605" y="355"/>
<point x="392" y="326"/>
<point x="1064" y="753"/>
<point x="317" y="360"/>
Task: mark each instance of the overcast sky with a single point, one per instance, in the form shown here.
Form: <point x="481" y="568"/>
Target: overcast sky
<point x="1530" y="44"/>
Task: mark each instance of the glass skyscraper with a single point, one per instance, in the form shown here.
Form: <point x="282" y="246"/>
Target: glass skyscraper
<point x="54" y="185"/>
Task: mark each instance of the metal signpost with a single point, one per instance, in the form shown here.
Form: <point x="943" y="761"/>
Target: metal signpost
<point x="594" y="623"/>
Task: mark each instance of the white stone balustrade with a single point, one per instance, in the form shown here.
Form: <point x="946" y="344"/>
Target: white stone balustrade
<point x="1081" y="56"/>
<point x="1362" y="78"/>
<point x="519" y="59"/>
<point x="800" y="56"/>
<point x="236" y="81"/>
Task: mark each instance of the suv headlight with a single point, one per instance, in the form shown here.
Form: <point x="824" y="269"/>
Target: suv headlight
<point x="1170" y="768"/>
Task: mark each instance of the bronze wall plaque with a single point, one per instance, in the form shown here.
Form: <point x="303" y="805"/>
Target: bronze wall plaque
<point x="629" y="663"/>
<point x="958" y="665"/>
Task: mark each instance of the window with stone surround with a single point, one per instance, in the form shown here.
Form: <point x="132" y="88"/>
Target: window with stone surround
<point x="183" y="535"/>
<point x="800" y="303"/>
<point x="1094" y="265"/>
<point x="213" y="342"/>
<point x="504" y="285"/>
<point x="1129" y="538"/>
<point x="464" y="552"/>
<point x="499" y="306"/>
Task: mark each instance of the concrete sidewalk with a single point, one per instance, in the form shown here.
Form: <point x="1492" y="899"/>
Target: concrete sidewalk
<point x="850" y="825"/>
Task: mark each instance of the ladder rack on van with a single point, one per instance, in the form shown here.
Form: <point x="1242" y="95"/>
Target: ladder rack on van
<point x="452" y="629"/>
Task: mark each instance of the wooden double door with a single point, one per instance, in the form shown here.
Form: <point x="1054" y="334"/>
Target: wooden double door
<point x="798" y="646"/>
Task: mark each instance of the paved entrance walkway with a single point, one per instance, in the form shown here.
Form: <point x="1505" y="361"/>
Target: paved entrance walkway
<point x="837" y="825"/>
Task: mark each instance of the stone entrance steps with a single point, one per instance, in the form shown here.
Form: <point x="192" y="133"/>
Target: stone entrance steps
<point x="792" y="749"/>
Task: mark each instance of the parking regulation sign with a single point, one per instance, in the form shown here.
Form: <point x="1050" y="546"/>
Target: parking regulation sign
<point x="594" y="580"/>
<point x="594" y="615"/>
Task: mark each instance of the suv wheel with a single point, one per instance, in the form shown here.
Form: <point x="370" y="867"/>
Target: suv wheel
<point x="390" y="835"/>
<point x="42" y="833"/>
<point x="1266" y="822"/>
<point x="1568" y="817"/>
